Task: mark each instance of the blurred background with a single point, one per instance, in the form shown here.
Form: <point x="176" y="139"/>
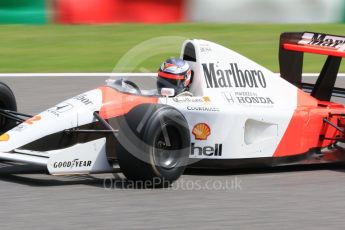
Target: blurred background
<point x="92" y="35"/>
<point x="172" y="11"/>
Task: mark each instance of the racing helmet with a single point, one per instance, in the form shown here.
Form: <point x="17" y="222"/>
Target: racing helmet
<point x="174" y="73"/>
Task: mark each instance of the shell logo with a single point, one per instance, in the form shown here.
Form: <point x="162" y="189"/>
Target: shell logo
<point x="4" y="137"/>
<point x="201" y="131"/>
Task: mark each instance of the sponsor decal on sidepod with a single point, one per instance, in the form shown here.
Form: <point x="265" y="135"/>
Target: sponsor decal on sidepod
<point x="208" y="151"/>
<point x="246" y="98"/>
<point x="201" y="131"/>
<point x="203" y="108"/>
<point x="204" y="99"/>
<point x="233" y="77"/>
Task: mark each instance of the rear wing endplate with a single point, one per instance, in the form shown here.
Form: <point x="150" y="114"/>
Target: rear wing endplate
<point x="294" y="45"/>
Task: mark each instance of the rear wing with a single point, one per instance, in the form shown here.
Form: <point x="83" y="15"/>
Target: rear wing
<point x="294" y="45"/>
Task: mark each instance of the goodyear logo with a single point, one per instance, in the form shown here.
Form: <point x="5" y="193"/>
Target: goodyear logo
<point x="201" y="131"/>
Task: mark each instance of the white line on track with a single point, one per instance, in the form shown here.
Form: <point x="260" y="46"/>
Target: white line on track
<point x="57" y="75"/>
<point x="105" y="75"/>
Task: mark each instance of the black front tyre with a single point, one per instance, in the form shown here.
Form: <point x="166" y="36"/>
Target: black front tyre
<point x="154" y="145"/>
<point x="7" y="102"/>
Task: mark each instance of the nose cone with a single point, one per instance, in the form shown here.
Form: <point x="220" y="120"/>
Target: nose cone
<point x="68" y="114"/>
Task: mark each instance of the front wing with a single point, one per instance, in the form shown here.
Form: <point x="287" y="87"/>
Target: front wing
<point x="83" y="158"/>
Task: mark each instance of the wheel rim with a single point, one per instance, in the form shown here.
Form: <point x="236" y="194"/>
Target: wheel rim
<point x="164" y="155"/>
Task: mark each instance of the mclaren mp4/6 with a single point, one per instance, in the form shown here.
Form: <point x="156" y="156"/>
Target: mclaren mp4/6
<point x="238" y="113"/>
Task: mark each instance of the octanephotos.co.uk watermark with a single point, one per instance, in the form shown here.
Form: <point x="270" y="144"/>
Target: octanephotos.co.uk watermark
<point x="231" y="184"/>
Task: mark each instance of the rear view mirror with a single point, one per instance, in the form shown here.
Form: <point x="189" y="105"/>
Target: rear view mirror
<point x="168" y="92"/>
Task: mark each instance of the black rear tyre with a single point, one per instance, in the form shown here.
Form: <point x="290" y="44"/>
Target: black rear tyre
<point x="154" y="145"/>
<point x="8" y="102"/>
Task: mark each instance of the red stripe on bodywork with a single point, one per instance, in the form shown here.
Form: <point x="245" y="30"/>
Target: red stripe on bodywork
<point x="314" y="50"/>
<point x="115" y="103"/>
<point x="290" y="143"/>
<point x="306" y="126"/>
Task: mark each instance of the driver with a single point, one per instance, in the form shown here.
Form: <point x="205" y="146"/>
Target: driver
<point x="175" y="73"/>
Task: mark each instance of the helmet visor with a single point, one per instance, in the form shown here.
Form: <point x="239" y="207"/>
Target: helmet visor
<point x="170" y="83"/>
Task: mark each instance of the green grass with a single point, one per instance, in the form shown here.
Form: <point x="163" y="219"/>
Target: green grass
<point x="55" y="48"/>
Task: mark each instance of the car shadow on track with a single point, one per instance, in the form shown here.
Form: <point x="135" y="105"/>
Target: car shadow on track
<point x="264" y="170"/>
<point x="36" y="182"/>
<point x="37" y="176"/>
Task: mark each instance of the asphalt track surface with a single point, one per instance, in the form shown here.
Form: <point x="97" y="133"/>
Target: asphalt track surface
<point x="283" y="198"/>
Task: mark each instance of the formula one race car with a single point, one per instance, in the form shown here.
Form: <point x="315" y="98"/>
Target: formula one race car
<point x="239" y="114"/>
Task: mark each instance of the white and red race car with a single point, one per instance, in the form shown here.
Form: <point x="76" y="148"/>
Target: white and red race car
<point x="239" y="114"/>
